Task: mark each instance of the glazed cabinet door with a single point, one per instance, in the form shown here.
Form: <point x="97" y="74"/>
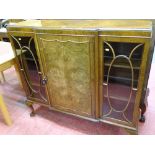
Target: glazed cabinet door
<point x="68" y="62"/>
<point x="122" y="70"/>
<point x="29" y="66"/>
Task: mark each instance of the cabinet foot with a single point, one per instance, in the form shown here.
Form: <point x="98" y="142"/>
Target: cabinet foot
<point x="30" y="104"/>
<point x="143" y="106"/>
<point x="142" y="119"/>
<point x="32" y="114"/>
<point x="143" y="110"/>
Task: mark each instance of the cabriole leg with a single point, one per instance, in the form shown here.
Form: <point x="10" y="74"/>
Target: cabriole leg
<point x="143" y="106"/>
<point x="143" y="110"/>
<point x="30" y="104"/>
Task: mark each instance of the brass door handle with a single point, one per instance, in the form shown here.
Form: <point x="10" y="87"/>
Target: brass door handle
<point x="44" y="80"/>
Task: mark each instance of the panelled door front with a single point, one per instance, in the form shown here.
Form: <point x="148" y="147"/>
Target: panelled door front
<point x="123" y="63"/>
<point x="68" y="62"/>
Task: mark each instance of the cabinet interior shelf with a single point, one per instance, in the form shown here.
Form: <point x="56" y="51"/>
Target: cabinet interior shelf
<point x="120" y="78"/>
<point x="105" y="84"/>
<point x="117" y="98"/>
<point x="29" y="59"/>
<point x="116" y="95"/>
<point x="110" y="57"/>
<point x="123" y="64"/>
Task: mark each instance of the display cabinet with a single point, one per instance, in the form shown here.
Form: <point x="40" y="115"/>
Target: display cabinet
<point x="93" y="69"/>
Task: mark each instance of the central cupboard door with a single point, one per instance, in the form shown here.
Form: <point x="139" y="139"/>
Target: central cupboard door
<point x="68" y="62"/>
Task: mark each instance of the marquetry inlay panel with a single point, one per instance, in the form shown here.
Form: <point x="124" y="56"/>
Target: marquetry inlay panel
<point x="69" y="76"/>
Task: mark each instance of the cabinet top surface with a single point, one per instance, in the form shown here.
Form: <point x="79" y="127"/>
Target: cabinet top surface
<point x="87" y="24"/>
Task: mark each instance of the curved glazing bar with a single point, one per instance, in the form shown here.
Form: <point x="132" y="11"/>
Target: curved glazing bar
<point x="23" y="67"/>
<point x="114" y="58"/>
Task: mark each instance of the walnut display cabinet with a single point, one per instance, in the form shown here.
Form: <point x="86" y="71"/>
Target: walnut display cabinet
<point x="93" y="69"/>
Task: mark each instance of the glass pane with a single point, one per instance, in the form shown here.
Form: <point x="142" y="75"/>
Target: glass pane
<point x="120" y="81"/>
<point x="28" y="60"/>
<point x="31" y="68"/>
